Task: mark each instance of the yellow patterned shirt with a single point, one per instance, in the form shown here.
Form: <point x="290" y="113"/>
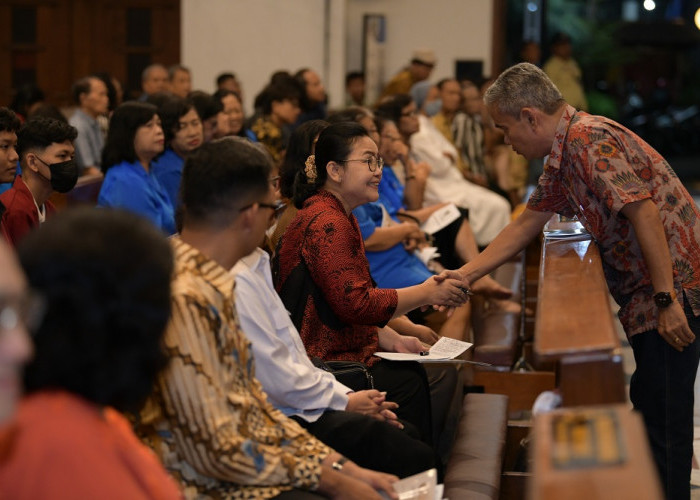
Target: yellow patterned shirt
<point x="209" y="419"/>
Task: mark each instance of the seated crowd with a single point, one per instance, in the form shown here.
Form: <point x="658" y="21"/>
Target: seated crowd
<point x="296" y="238"/>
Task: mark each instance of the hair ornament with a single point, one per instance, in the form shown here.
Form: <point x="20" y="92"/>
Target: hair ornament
<point x="310" y="169"/>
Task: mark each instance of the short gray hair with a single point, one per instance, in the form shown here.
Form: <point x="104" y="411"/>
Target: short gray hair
<point x="520" y="86"/>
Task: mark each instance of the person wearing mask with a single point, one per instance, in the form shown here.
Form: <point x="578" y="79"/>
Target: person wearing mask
<point x="45" y="148"/>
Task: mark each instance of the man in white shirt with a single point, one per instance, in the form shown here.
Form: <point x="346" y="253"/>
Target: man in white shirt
<point x="360" y="425"/>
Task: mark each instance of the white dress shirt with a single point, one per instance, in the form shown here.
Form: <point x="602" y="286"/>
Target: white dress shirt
<point x="293" y="384"/>
<point x="489" y="213"/>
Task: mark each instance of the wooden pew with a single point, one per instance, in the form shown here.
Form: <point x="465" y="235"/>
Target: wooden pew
<point x="574" y="330"/>
<point x="573" y="326"/>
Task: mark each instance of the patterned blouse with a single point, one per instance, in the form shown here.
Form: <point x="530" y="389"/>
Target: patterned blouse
<point x="341" y="313"/>
<point x="209" y="419"/>
<point x="595" y="168"/>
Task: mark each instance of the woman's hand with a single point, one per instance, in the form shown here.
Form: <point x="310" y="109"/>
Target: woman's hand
<point x="445" y="291"/>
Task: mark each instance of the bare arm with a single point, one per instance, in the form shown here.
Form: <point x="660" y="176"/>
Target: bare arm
<point x="644" y="217"/>
<point x="508" y="243"/>
<point x="384" y="238"/>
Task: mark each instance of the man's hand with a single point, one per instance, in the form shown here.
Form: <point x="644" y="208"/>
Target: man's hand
<point x="374" y="404"/>
<point x="673" y="327"/>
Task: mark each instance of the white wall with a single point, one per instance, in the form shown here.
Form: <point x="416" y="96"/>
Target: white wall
<point x="254" y="38"/>
<point x="454" y="29"/>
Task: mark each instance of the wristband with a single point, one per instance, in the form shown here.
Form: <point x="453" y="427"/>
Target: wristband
<point x="338" y="464"/>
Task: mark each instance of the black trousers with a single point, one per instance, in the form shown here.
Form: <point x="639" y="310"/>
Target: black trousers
<point x="405" y="383"/>
<point x="371" y="443"/>
<point x="662" y="389"/>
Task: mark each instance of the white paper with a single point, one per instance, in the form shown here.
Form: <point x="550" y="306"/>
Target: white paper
<point x="444" y="349"/>
<point x="426" y="254"/>
<point x="441" y="218"/>
<point x="421" y="486"/>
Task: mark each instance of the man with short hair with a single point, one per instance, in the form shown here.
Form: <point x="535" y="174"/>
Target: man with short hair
<point x="90" y="94"/>
<point x="180" y="80"/>
<point x="228" y="81"/>
<point x="313" y="98"/>
<point x="355" y="88"/>
<point x="422" y="63"/>
<point x="647" y="228"/>
<point x="45" y="148"/>
<point x="209" y="419"/>
<point x="154" y="80"/>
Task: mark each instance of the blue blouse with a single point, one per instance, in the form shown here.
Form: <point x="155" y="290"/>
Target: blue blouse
<point x="391" y="192"/>
<point x="128" y="185"/>
<point x="167" y="169"/>
<point x="394" y="267"/>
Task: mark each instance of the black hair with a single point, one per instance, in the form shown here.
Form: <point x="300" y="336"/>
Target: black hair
<point x="175" y="68"/>
<point x="223" y="77"/>
<point x="159" y="98"/>
<point x="301" y="145"/>
<point x="205" y="104"/>
<point x="442" y="82"/>
<point x="105" y="276"/>
<point x="334" y="143"/>
<point x="126" y="120"/>
<point x="40" y="132"/>
<point x="220" y="178"/>
<point x="25" y="97"/>
<point x="353" y="75"/>
<point x="47" y="110"/>
<point x="111" y="89"/>
<point x="8" y="120"/>
<point x="82" y="86"/>
<point x="220" y="94"/>
<point x="276" y="93"/>
<point x="349" y="114"/>
<point x="170" y="113"/>
<point x="392" y="107"/>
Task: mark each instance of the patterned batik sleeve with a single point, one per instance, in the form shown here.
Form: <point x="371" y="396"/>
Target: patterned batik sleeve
<point x="335" y="256"/>
<point x="548" y="196"/>
<point x="223" y="428"/>
<point x="612" y="177"/>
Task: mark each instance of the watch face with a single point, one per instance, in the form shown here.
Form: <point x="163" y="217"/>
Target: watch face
<point x="663" y="299"/>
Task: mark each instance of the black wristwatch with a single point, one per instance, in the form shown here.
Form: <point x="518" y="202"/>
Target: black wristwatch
<point x="664" y="299"/>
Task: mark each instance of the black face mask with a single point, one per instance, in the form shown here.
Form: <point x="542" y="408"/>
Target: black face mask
<point x="64" y="175"/>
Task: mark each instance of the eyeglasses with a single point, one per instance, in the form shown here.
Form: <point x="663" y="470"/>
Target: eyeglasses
<point x="277" y="208"/>
<point x="27" y="310"/>
<point x="373" y="162"/>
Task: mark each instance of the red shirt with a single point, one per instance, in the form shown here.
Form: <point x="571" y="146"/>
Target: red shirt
<point x="340" y="320"/>
<point x="20" y="211"/>
<point x="595" y="168"/>
<point x="62" y="447"/>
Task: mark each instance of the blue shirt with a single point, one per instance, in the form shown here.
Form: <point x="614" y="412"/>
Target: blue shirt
<point x="4" y="186"/>
<point x="391" y="192"/>
<point x="167" y="169"/>
<point x="129" y="186"/>
<point x="394" y="267"/>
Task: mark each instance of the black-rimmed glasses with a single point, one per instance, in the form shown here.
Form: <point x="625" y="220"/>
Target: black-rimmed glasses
<point x="277" y="207"/>
<point x="373" y="162"/>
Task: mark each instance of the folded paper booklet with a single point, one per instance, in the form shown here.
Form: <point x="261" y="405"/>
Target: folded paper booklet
<point x="421" y="486"/>
<point x="443" y="350"/>
<point x="441" y="218"/>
